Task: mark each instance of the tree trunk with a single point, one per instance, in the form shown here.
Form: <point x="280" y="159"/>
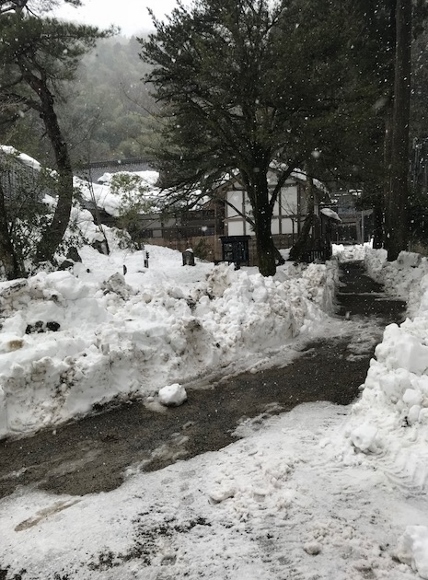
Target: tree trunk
<point x="265" y="247"/>
<point x="387" y="150"/>
<point x="397" y="227"/>
<point x="54" y="233"/>
<point x="8" y="257"/>
<point x="311" y="231"/>
<point x="266" y="253"/>
<point x="378" y="217"/>
<point x="304" y="244"/>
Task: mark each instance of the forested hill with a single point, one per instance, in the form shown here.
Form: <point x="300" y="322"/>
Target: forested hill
<point x="110" y="116"/>
<point x="107" y="112"/>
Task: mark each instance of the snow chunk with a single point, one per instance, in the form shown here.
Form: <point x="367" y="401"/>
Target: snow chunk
<point x="413" y="549"/>
<point x="408" y="260"/>
<point x="173" y="395"/>
<point x="221" y="494"/>
<point x="65" y="284"/>
<point x="364" y="438"/>
<point x="407" y="352"/>
<point x="312" y="548"/>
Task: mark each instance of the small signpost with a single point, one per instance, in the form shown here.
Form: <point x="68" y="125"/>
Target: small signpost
<point x="188" y="257"/>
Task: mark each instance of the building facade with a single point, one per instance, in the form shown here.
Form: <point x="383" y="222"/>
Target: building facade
<point x="289" y="211"/>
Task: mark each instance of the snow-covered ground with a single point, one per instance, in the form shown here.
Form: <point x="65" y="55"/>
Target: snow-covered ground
<point x="72" y="339"/>
<point x="323" y="492"/>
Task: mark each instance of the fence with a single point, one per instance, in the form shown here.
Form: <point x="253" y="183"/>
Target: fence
<point x="210" y="248"/>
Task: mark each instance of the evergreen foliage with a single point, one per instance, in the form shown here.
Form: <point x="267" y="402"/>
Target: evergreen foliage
<point x="135" y="200"/>
<point x="251" y="85"/>
<point x="108" y="113"/>
<point x="36" y="56"/>
<point x="240" y="87"/>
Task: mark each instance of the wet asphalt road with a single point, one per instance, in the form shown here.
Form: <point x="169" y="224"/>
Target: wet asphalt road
<point x="94" y="454"/>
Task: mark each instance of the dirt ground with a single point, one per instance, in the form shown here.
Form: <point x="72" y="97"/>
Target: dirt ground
<point x="96" y="453"/>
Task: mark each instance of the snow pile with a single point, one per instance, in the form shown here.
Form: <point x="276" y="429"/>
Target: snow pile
<point x="394" y="403"/>
<point x="413" y="549"/>
<point x="387" y="428"/>
<point x="347" y="253"/>
<point x="390" y="420"/>
<point x="404" y="277"/>
<point x="73" y="339"/>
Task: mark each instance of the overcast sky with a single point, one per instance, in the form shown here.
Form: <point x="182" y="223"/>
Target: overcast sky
<point x="130" y="15"/>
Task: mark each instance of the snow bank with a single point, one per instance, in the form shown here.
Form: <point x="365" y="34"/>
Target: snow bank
<point x="413" y="549"/>
<point x="388" y="426"/>
<point x="394" y="404"/>
<point x="71" y="340"/>
<point x="393" y="408"/>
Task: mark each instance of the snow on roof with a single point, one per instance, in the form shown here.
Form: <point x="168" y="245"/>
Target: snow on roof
<point x="112" y="202"/>
<point x="22" y="157"/>
<point x="148" y="177"/>
<point x="302" y="176"/>
<point x="330" y="214"/>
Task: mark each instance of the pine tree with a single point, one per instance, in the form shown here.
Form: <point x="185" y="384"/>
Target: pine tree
<point x="385" y="47"/>
<point x="247" y="86"/>
<point x="398" y="198"/>
<point x="36" y="55"/>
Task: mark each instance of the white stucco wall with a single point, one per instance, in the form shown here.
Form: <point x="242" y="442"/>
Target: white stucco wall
<point x="236" y="228"/>
<point x="286" y="204"/>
